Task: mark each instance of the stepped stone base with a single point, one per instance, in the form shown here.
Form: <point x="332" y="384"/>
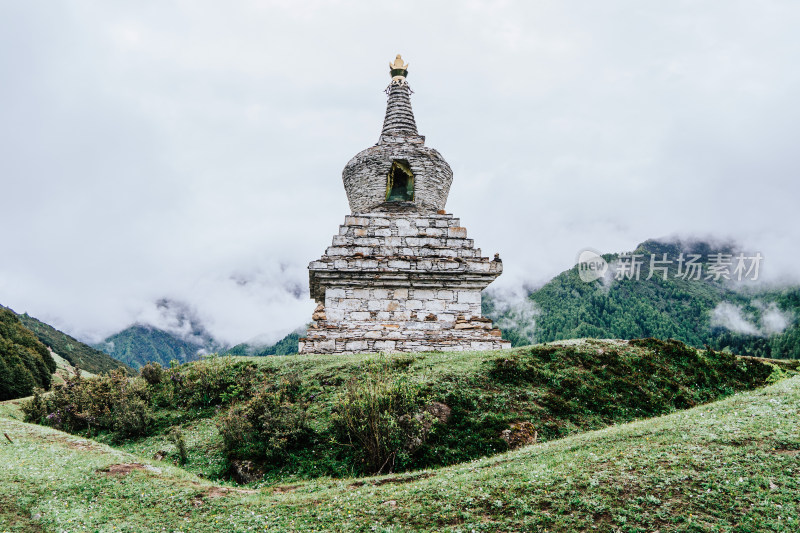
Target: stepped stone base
<point x="397" y="280"/>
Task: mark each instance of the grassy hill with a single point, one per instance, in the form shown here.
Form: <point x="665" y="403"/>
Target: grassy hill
<point x="65" y="370"/>
<point x="726" y="466"/>
<point x="676" y="308"/>
<point x="301" y="417"/>
<point x="74" y="351"/>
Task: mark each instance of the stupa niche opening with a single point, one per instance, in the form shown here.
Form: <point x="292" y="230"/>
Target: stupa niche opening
<point x="400" y="183"/>
<point x="401" y="275"/>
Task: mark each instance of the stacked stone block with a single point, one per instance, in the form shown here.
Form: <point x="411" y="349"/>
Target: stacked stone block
<point x="410" y="283"/>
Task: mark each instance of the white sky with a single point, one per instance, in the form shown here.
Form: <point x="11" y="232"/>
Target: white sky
<point x="193" y="150"/>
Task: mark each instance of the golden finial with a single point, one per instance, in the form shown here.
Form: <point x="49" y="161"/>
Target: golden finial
<point x="398" y="70"/>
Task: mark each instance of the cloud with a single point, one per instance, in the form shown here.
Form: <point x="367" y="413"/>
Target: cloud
<point x="773" y="320"/>
<point x="515" y="310"/>
<point x="149" y="154"/>
<point x="733" y="317"/>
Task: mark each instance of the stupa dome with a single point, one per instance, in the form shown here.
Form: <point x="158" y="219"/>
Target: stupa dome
<point x="399" y="173"/>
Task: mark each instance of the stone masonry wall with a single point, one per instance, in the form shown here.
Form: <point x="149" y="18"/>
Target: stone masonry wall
<point x="401" y="282"/>
<point x="365" y="175"/>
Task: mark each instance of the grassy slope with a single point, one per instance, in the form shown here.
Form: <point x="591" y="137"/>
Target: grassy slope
<point x="74" y="351"/>
<point x="728" y="466"/>
<point x="579" y="386"/>
<point x="64" y="369"/>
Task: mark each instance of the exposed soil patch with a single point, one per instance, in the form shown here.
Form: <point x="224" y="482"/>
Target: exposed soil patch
<point x="88" y="446"/>
<point x="219" y="492"/>
<point x="121" y="469"/>
<point x="790" y="453"/>
<point x="384" y="481"/>
<point x="284" y="488"/>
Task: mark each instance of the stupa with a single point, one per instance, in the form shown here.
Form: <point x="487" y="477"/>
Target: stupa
<point x="401" y="275"/>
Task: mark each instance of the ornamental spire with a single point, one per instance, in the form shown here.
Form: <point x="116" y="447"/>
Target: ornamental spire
<point x="399" y="120"/>
<point x="398" y="70"/>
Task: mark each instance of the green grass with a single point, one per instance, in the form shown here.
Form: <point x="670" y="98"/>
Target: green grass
<point x="732" y="465"/>
<point x="557" y="389"/>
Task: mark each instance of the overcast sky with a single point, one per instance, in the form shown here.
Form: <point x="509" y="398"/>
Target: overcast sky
<point x="193" y="150"/>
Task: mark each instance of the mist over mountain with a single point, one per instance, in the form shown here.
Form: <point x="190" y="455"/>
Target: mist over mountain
<point x="687" y="297"/>
<point x="140" y="344"/>
<point x="77" y="353"/>
<point x="686" y="290"/>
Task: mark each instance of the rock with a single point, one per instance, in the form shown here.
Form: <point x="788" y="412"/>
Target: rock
<point x="160" y="455"/>
<point x="520" y="434"/>
<point x="439" y="411"/>
<point x="246" y="471"/>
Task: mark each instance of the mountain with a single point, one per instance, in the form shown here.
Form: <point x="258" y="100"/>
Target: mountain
<point x="286" y="346"/>
<point x="25" y="362"/>
<point x="180" y="336"/>
<point x="139" y="344"/>
<point x="75" y="352"/>
<point x="697" y="310"/>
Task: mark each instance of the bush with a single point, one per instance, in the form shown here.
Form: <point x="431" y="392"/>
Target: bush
<point x="380" y="415"/>
<point x="215" y="381"/>
<point x="131" y="410"/>
<point x="267" y="426"/>
<point x="152" y="373"/>
<point x="35" y="409"/>
<point x="176" y="435"/>
<point x="110" y="402"/>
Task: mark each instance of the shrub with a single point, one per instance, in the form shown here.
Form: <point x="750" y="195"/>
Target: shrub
<point x="35" y="409"/>
<point x="110" y="402"/>
<point x="176" y="435"/>
<point x="267" y="426"/>
<point x="380" y="415"/>
<point x="130" y="409"/>
<point x="215" y="381"/>
<point x="152" y="373"/>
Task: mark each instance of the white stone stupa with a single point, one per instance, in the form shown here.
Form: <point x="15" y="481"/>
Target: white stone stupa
<point x="401" y="275"/>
